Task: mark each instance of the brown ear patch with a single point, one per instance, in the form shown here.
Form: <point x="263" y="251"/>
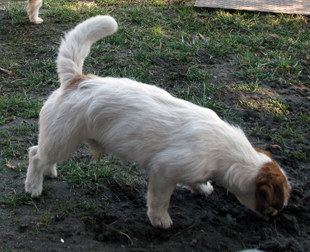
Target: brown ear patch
<point x="80" y="78"/>
<point x="272" y="188"/>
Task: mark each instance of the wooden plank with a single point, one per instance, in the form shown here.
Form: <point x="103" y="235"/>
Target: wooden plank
<point x="278" y="6"/>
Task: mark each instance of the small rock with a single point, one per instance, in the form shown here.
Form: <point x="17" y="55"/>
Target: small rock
<point x="272" y="37"/>
<point x="276" y="147"/>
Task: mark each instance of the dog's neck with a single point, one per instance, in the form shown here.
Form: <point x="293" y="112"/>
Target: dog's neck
<point x="240" y="173"/>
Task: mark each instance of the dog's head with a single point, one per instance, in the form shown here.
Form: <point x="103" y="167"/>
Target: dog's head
<point x="272" y="189"/>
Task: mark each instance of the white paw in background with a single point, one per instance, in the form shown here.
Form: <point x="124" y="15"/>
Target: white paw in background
<point x="51" y="173"/>
<point x="203" y="189"/>
<point x="206" y="189"/>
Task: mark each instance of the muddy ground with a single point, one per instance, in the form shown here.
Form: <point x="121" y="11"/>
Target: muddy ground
<point x="119" y="221"/>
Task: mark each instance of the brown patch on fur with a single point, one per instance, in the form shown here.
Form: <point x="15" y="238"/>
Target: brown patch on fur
<point x="262" y="151"/>
<point x="272" y="188"/>
<point x="80" y="78"/>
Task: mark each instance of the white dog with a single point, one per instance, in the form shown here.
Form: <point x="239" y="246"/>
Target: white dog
<point x="177" y="141"/>
<point x="33" y="11"/>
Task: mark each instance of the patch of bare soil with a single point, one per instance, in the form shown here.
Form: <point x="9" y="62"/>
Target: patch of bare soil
<point x="218" y="223"/>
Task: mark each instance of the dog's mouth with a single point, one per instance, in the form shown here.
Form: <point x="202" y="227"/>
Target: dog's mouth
<point x="271" y="212"/>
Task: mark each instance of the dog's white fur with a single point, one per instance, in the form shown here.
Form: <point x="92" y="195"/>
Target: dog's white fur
<point x="33" y="11"/>
<point x="177" y="141"/>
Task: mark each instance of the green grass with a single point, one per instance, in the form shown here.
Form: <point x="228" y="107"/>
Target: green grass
<point x="12" y="199"/>
<point x="95" y="174"/>
<point x="181" y="49"/>
<point x="18" y="105"/>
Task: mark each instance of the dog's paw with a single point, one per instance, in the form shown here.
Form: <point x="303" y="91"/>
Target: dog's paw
<point x="34" y="18"/>
<point x="206" y="189"/>
<point x="33" y="190"/>
<point x="162" y="221"/>
<point x="203" y="189"/>
<point x="51" y="173"/>
<point x="37" y="20"/>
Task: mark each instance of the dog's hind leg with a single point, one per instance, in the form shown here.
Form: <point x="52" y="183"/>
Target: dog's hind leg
<point x="54" y="147"/>
<point x="35" y="172"/>
<point x="33" y="11"/>
<point x="203" y="189"/>
<point x="50" y="170"/>
<point x="158" y="198"/>
<point x="96" y="149"/>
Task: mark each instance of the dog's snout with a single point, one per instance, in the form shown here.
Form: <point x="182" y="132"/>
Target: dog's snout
<point x="273" y="213"/>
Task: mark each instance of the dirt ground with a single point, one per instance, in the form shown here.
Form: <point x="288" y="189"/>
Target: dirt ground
<point x="119" y="223"/>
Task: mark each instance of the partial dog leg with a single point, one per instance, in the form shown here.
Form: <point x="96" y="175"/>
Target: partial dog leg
<point x="50" y="170"/>
<point x="158" y="198"/>
<point x="36" y="169"/>
<point x="33" y="11"/>
<point x="203" y="189"/>
<point x="96" y="149"/>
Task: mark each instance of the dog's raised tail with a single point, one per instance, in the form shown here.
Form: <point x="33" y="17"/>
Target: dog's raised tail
<point x="76" y="45"/>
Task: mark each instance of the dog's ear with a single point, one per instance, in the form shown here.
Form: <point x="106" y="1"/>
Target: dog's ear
<point x="265" y="193"/>
<point x="262" y="151"/>
<point x="271" y="187"/>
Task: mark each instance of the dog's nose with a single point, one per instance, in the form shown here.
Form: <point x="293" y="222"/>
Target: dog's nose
<point x="272" y="213"/>
<point x="281" y="209"/>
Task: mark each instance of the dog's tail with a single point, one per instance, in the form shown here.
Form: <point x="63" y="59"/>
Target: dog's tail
<point x="76" y="45"/>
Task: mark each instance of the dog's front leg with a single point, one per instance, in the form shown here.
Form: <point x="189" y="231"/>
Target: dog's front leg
<point x="158" y="198"/>
<point x="96" y="149"/>
<point x="33" y="11"/>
